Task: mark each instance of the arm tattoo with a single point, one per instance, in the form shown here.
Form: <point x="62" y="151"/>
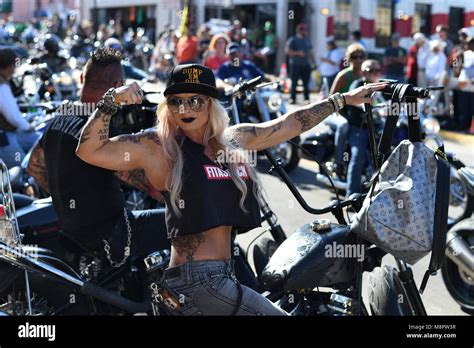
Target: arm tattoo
<point x="130" y="138"/>
<point x="37" y="169"/>
<point x="309" y="117"/>
<point x="103" y="132"/>
<point x="187" y="244"/>
<point x="263" y="133"/>
<point x="138" y="179"/>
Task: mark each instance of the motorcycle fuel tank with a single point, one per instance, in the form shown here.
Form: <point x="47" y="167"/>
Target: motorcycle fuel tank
<point x="308" y="259"/>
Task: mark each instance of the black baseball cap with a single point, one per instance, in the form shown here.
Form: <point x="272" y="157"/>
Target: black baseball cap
<point x="232" y="48"/>
<point x="191" y="78"/>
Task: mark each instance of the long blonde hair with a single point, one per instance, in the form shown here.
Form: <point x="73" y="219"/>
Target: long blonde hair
<point x="217" y="138"/>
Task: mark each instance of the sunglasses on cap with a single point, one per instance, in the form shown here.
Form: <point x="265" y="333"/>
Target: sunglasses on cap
<point x="195" y="103"/>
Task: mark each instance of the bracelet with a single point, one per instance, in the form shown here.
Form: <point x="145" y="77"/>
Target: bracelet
<point x="339" y="101"/>
<point x="107" y="104"/>
<point x="332" y="103"/>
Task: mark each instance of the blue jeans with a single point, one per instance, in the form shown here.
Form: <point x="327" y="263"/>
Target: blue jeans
<point x="463" y="109"/>
<point x="302" y="72"/>
<point x="19" y="143"/>
<point x="359" y="143"/>
<point x="210" y="288"/>
<point x="341" y="126"/>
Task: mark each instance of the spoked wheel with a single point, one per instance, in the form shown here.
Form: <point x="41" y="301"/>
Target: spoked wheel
<point x="460" y="206"/>
<point x="18" y="305"/>
<point x="289" y="154"/>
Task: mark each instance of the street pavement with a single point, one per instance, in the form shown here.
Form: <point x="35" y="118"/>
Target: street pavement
<point x="291" y="216"/>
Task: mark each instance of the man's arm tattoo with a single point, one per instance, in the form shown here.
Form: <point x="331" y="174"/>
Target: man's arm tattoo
<point x="37" y="169"/>
<point x="188" y="244"/>
<point x="309" y="117"/>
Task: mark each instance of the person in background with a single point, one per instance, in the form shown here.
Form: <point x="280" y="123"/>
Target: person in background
<point x="395" y="59"/>
<point x="442" y="31"/>
<point x="355" y="55"/>
<point x="421" y="59"/>
<point x="204" y="37"/>
<point x="131" y="72"/>
<point x="187" y="48"/>
<point x="436" y="71"/>
<point x="356" y="37"/>
<point x="237" y="67"/>
<point x="466" y="92"/>
<point x="457" y="54"/>
<point x="17" y="136"/>
<point x="302" y="60"/>
<point x="217" y="52"/>
<point x="358" y="134"/>
<point x="270" y="46"/>
<point x="330" y="62"/>
<point x="412" y="61"/>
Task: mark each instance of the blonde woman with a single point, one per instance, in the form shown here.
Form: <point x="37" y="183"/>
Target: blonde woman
<point x="217" y="55"/>
<point x="205" y="197"/>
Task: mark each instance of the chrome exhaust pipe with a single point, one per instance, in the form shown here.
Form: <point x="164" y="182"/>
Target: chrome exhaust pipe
<point x="459" y="252"/>
<point x="340" y="185"/>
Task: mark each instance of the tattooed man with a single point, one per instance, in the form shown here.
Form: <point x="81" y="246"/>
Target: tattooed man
<point x="205" y="197"/>
<point x="88" y="199"/>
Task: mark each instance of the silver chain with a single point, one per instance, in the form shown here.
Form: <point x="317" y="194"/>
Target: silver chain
<point x="126" y="250"/>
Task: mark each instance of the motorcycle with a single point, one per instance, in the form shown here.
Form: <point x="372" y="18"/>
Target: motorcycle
<point x="85" y="284"/>
<point x="264" y="105"/>
<point x="301" y="266"/>
<point x="458" y="268"/>
<point x="295" y="267"/>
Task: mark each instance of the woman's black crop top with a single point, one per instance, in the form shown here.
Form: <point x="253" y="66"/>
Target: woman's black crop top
<point x="209" y="197"/>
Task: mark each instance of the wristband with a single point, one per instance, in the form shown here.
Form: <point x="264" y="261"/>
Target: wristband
<point x="107" y="104"/>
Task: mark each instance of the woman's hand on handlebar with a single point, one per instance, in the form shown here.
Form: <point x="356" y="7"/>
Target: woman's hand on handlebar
<point x="362" y="94"/>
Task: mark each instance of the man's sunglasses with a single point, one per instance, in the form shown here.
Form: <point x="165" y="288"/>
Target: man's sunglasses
<point x="372" y="70"/>
<point x="195" y="103"/>
<point x="357" y="57"/>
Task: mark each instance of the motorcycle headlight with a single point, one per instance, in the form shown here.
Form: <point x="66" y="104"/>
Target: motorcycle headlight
<point x="431" y="125"/>
<point x="274" y="102"/>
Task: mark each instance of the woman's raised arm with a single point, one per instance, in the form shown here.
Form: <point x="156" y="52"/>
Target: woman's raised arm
<point x="124" y="152"/>
<point x="267" y="134"/>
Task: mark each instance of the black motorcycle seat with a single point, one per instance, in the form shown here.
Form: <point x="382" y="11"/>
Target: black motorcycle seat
<point x="467" y="176"/>
<point x="22" y="200"/>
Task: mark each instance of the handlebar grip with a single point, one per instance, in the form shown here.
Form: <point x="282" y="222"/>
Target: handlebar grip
<point x="411" y="91"/>
<point x="249" y="84"/>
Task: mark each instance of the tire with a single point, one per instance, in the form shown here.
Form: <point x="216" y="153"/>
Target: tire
<point x="294" y="159"/>
<point x="291" y="162"/>
<point x="386" y="293"/>
<point x="461" y="291"/>
<point x="262" y="252"/>
<point x="470" y="200"/>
